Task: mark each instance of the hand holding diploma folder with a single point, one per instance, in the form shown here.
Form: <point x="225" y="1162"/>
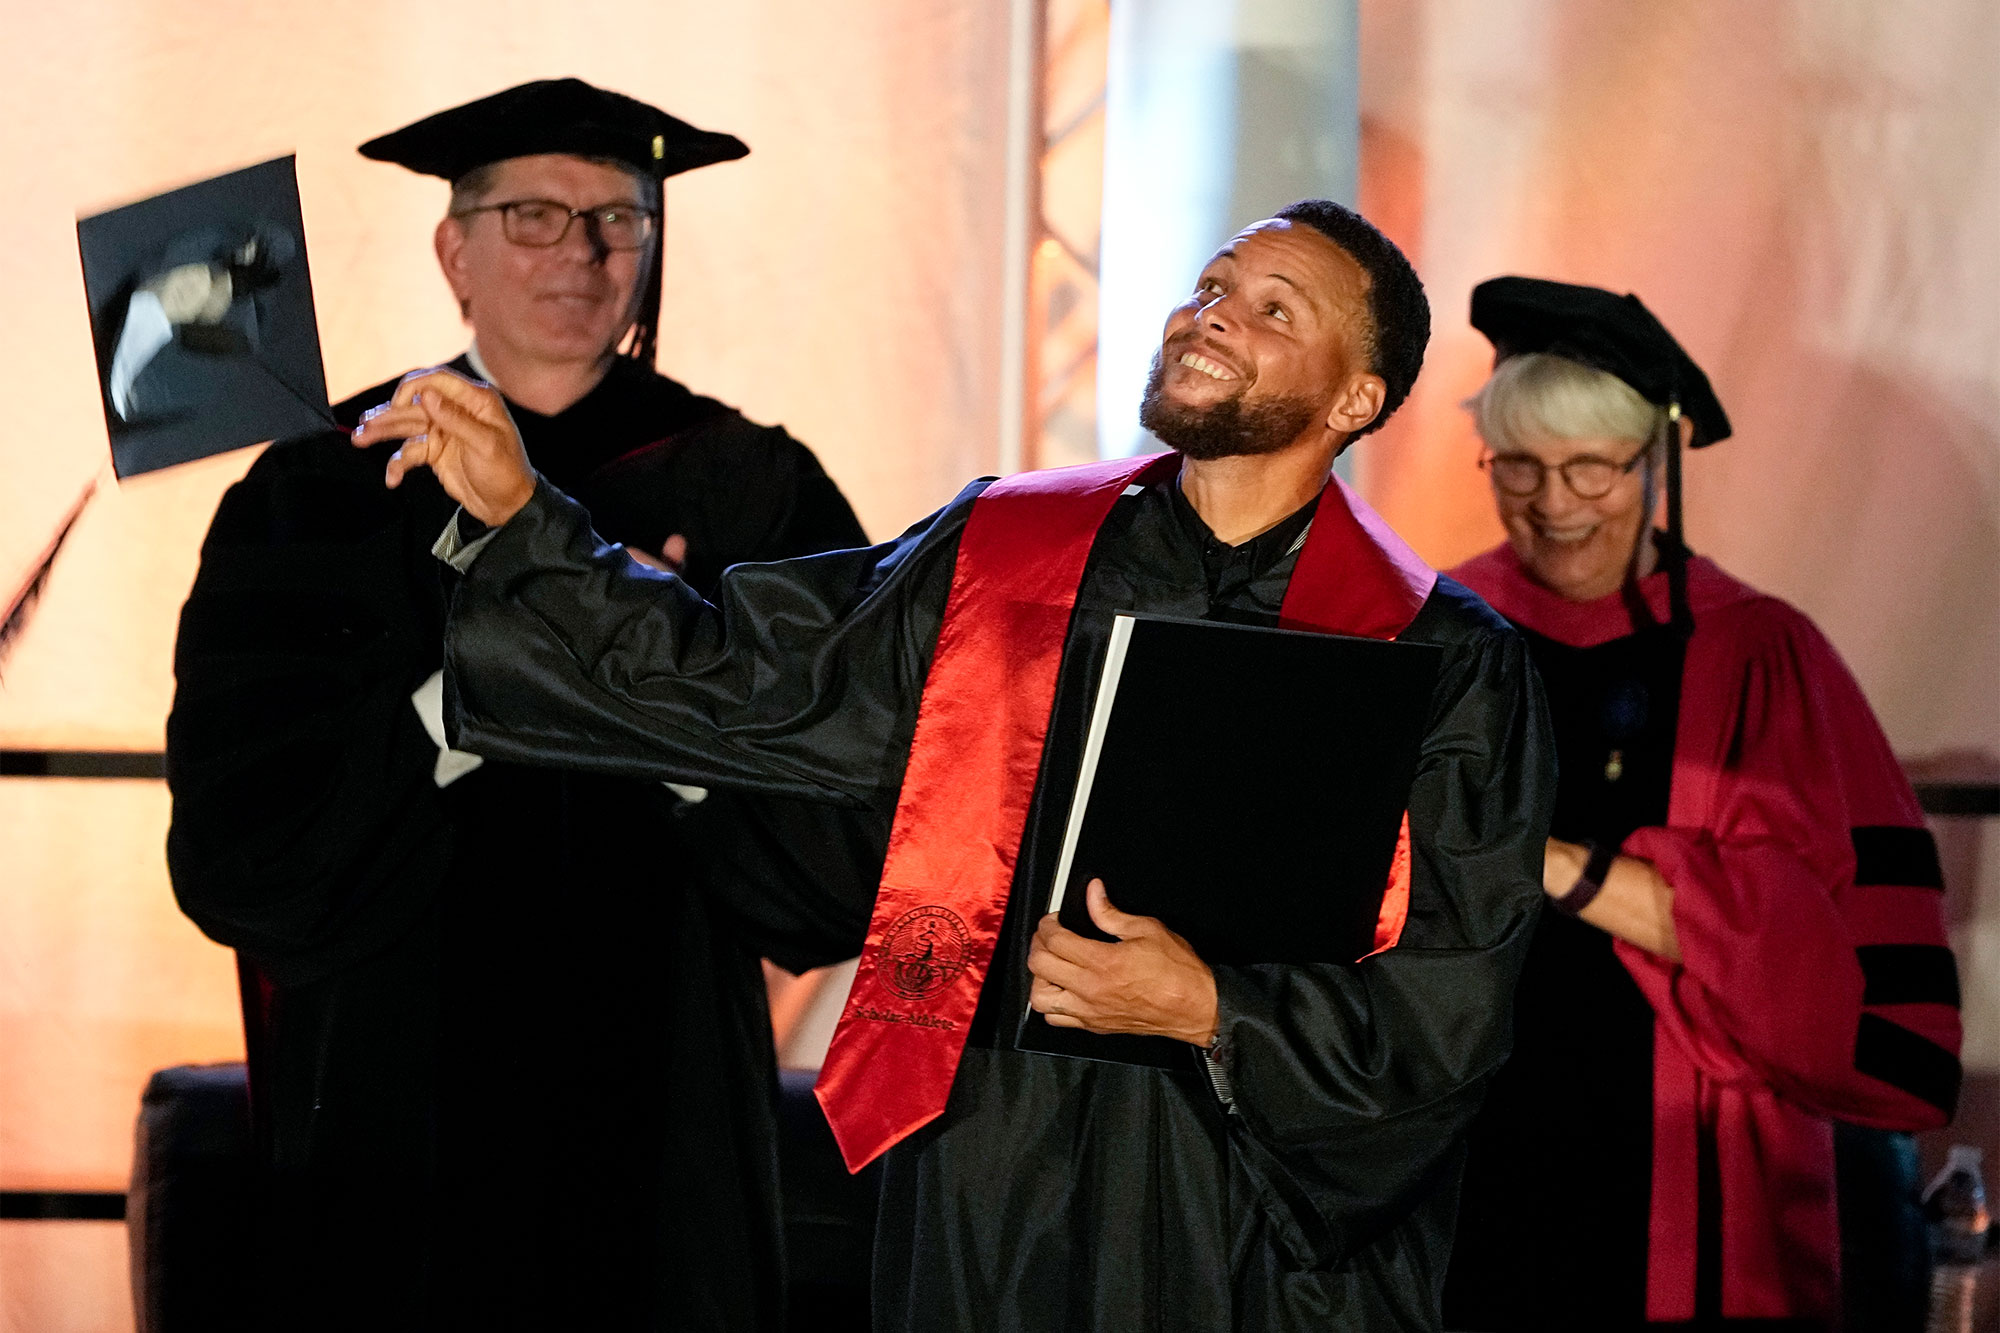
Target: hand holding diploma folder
<point x="1245" y="787"/>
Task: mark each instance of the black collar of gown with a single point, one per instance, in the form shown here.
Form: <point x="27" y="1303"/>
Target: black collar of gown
<point x="1230" y="567"/>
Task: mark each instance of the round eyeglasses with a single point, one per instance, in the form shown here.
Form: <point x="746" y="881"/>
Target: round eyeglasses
<point x="1587" y="476"/>
<point x="544" y="222"/>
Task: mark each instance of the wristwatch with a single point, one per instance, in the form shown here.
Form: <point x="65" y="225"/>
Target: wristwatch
<point x="1591" y="881"/>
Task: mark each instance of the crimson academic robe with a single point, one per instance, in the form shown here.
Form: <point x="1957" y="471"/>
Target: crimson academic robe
<point x="1815" y="982"/>
<point x="510" y="1064"/>
<point x="1057" y="1194"/>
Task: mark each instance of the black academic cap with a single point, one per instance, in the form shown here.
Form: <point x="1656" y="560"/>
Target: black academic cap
<point x="201" y="309"/>
<point x="1615" y="334"/>
<point x="554" y="116"/>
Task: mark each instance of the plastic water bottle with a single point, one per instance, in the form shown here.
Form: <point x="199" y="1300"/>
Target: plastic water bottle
<point x="1955" y="1203"/>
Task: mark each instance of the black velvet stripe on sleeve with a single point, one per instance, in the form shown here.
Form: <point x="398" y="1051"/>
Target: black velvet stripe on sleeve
<point x="1908" y="974"/>
<point x="1903" y="1059"/>
<point x="1892" y="854"/>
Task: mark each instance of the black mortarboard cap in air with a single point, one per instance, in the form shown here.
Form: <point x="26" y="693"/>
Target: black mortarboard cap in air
<point x="563" y="116"/>
<point x="201" y="309"/>
<point x="1615" y="334"/>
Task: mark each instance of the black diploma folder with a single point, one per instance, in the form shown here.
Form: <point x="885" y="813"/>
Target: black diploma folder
<point x="1246" y="787"/>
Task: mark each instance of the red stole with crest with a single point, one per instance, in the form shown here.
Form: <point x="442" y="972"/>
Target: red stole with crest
<point x="973" y="762"/>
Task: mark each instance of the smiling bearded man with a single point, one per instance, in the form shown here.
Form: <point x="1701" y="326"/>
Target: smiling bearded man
<point x="1299" y="1170"/>
<point x="1227" y="429"/>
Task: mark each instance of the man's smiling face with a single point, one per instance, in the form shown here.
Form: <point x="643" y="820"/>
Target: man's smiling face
<point x="1256" y="357"/>
<point x="566" y="302"/>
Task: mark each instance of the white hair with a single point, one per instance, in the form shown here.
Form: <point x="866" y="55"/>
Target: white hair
<point x="1538" y="395"/>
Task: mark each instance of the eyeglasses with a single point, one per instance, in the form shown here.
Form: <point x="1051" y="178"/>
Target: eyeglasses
<point x="1587" y="476"/>
<point x="544" y="222"/>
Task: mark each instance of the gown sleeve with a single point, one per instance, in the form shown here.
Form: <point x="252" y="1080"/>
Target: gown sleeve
<point x="800" y="680"/>
<point x="794" y="878"/>
<point x="1805" y="888"/>
<point x="1353" y="1084"/>
<point x="307" y="829"/>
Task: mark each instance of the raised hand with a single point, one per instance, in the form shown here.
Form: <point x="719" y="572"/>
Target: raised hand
<point x="460" y="430"/>
<point x="1147" y="981"/>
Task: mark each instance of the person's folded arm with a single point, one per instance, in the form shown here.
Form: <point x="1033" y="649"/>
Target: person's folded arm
<point x="1775" y="928"/>
<point x="801" y="680"/>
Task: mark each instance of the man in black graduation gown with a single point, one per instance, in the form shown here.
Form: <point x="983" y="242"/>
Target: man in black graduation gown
<point x="508" y="1067"/>
<point x="1301" y="1171"/>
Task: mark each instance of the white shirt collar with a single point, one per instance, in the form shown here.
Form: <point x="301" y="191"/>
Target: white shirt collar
<point x="478" y="365"/>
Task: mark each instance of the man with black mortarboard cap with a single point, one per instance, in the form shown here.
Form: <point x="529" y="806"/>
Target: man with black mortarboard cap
<point x="1295" y="1165"/>
<point x="510" y="1060"/>
<point x="1747" y="942"/>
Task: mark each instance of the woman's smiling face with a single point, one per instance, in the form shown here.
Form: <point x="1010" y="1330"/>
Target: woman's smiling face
<point x="1576" y="547"/>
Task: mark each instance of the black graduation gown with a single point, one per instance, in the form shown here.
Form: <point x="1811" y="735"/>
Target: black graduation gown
<point x="1056" y="1194"/>
<point x="509" y="1068"/>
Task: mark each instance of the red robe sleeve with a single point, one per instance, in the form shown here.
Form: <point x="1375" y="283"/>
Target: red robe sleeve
<point x="1806" y="888"/>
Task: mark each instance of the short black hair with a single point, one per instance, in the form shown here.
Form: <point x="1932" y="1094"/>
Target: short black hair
<point x="1397" y="306"/>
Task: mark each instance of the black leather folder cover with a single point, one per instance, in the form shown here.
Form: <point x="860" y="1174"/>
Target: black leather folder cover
<point x="1245" y="786"/>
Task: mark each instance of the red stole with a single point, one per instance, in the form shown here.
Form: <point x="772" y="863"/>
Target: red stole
<point x="980" y="730"/>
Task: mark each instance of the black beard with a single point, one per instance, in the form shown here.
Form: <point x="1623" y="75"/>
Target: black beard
<point x="1228" y="429"/>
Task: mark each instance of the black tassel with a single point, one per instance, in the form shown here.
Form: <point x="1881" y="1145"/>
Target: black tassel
<point x="23" y="602"/>
<point x="646" y="326"/>
<point x="1640" y="614"/>
<point x="1680" y="615"/>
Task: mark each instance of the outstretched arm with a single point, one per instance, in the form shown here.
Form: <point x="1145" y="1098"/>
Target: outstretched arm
<point x="801" y="679"/>
<point x="1808" y="960"/>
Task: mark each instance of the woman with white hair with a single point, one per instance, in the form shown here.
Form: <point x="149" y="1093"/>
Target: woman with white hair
<point x="1747" y="940"/>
